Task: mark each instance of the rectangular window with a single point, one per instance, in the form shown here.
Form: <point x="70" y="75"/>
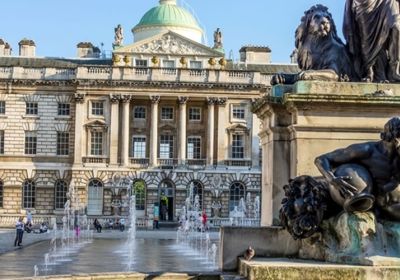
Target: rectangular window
<point x="139" y="147"/>
<point x="1" y="193"/>
<point x="167" y="113"/>
<point x="62" y="143"/>
<point x="195" y="64"/>
<point x="166" y="146"/>
<point x="2" y="107"/>
<point x="237" y="146"/>
<point x="97" y="108"/>
<point x="194" y="114"/>
<point x="168" y="64"/>
<point x="30" y="142"/>
<point x="1" y="142"/>
<point x="238" y="112"/>
<point x="139" y="112"/>
<point x="31" y="108"/>
<point x="96" y="143"/>
<point x="64" y="109"/>
<point x="141" y="63"/>
<point x="194" y="148"/>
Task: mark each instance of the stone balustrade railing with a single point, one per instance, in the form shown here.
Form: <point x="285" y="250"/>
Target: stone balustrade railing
<point x="135" y="74"/>
<point x="220" y="222"/>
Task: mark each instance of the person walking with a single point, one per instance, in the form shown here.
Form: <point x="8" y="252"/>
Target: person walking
<point x="20" y="232"/>
<point x="204" y="220"/>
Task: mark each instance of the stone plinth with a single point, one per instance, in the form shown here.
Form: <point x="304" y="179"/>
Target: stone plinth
<point x="283" y="269"/>
<point x="309" y="118"/>
<point x="266" y="241"/>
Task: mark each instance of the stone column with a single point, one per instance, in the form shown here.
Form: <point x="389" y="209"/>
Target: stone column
<point x="210" y="132"/>
<point x="125" y="130"/>
<point x="154" y="130"/>
<point x="182" y="130"/>
<point x="222" y="137"/>
<point x="114" y="100"/>
<point x="255" y="141"/>
<point x="79" y="131"/>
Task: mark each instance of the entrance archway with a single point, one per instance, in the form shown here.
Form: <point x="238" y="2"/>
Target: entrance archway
<point x="166" y="197"/>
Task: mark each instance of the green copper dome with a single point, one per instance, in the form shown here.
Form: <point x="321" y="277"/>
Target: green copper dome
<point x="168" y="14"/>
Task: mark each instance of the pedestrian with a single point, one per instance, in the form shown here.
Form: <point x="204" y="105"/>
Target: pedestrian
<point x="20" y="232"/>
<point x="29" y="219"/>
<point x="156" y="216"/>
<point x="97" y="225"/>
<point x="204" y="220"/>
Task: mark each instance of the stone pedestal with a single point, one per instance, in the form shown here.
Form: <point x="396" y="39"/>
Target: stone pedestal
<point x="309" y="118"/>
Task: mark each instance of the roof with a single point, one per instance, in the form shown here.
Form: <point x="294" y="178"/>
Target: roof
<point x="10" y="61"/>
<point x="255" y="49"/>
<point x="168" y="14"/>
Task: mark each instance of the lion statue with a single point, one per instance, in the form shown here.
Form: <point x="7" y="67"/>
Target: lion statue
<point x="321" y="53"/>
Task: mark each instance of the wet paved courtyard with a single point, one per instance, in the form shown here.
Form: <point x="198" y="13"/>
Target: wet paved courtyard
<point x="107" y="255"/>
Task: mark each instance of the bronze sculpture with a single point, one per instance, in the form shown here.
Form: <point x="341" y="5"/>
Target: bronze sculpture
<point x="360" y="177"/>
<point x="372" y="31"/>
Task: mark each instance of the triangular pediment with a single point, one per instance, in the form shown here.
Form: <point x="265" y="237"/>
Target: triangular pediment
<point x="169" y="43"/>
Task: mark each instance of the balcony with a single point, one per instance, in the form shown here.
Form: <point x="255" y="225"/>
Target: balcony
<point x="93" y="159"/>
<point x="139" y="162"/>
<point x="167" y="163"/>
<point x="238" y="162"/>
<point x="196" y="163"/>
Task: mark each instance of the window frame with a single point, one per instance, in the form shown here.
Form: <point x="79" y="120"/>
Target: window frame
<point x="142" y="152"/>
<point x="162" y="113"/>
<point x="60" y="196"/>
<point x="63" y="109"/>
<point x="30" y="146"/>
<point x="237" y="107"/>
<point x="235" y="190"/>
<point x="140" y="200"/>
<point x="194" y="148"/>
<point x="238" y="152"/>
<point x="170" y="142"/>
<point x="31" y="108"/>
<point x="99" y="149"/>
<point x="101" y="111"/>
<point x="2" y="142"/>
<point x="2" y="107"/>
<point x="62" y="147"/>
<point x="199" y="114"/>
<point x="193" y="62"/>
<point x="28" y="194"/>
<point x="143" y="112"/>
<point x="139" y="61"/>
<point x="169" y="61"/>
<point x="1" y="194"/>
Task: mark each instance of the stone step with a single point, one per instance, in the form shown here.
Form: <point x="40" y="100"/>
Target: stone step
<point x="232" y="277"/>
<point x="295" y="269"/>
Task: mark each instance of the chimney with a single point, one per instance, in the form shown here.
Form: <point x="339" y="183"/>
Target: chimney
<point x="2" y="46"/>
<point x="255" y="55"/>
<point x="87" y="50"/>
<point x="294" y="56"/>
<point x="27" y="48"/>
<point x="7" y="49"/>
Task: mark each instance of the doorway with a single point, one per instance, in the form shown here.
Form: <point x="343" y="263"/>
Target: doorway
<point x="166" y="194"/>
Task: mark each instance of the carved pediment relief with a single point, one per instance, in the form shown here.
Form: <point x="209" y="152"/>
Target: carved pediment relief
<point x="168" y="128"/>
<point x="170" y="43"/>
<point x="97" y="125"/>
<point x="238" y="128"/>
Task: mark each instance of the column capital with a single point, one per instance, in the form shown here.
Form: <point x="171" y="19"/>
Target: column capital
<point x="79" y="97"/>
<point x="182" y="100"/>
<point x="212" y="100"/>
<point x="126" y="98"/>
<point x="222" y="101"/>
<point x="115" y="98"/>
<point x="155" y="99"/>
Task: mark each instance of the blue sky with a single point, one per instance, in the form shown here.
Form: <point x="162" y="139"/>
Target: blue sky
<point x="58" y="25"/>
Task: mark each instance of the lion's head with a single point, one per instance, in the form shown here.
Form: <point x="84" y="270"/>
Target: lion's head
<point x="304" y="206"/>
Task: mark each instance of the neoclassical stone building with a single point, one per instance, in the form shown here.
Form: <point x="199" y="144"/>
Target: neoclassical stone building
<point x="165" y="112"/>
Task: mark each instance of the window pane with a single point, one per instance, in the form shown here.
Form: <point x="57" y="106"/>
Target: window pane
<point x="195" y="64"/>
<point x="1" y="194"/>
<point x="2" y="142"/>
<point x="30" y="142"/>
<point x="61" y="190"/>
<point x="96" y="145"/>
<point x="64" y="109"/>
<point x="236" y="192"/>
<point x="141" y="63"/>
<point x="168" y="63"/>
<point x="167" y="113"/>
<point x="166" y="146"/>
<point x="237" y="146"/>
<point x="194" y="114"/>
<point x="62" y="143"/>
<point x="2" y="107"/>
<point x="95" y="197"/>
<point x="238" y="112"/>
<point x="98" y="108"/>
<point x="29" y="190"/>
<point x="196" y="189"/>
<point x="139" y="112"/>
<point x="31" y="108"/>
<point x="140" y="194"/>
<point x="194" y="148"/>
<point x="139" y="147"/>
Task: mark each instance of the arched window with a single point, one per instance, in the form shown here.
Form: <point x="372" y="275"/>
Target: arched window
<point x="29" y="194"/>
<point x="139" y="188"/>
<point x="196" y="188"/>
<point x="1" y="194"/>
<point x="236" y="191"/>
<point x="60" y="194"/>
<point x="95" y="197"/>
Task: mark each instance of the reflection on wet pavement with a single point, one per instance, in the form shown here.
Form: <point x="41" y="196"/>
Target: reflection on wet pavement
<point x="106" y="255"/>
